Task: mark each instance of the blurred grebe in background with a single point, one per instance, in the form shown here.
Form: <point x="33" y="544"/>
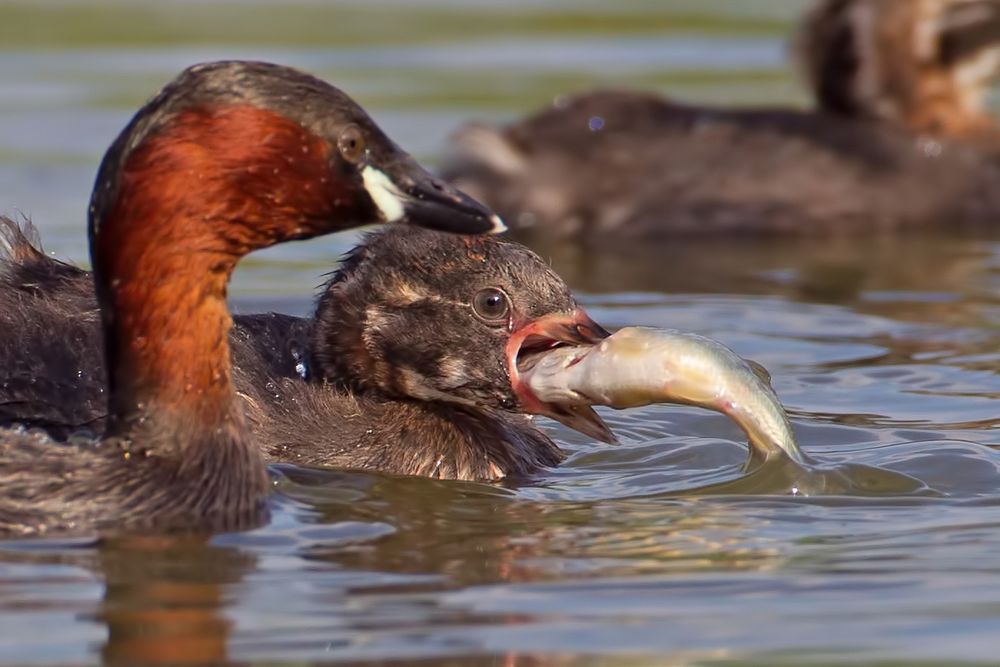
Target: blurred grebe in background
<point x="900" y="139"/>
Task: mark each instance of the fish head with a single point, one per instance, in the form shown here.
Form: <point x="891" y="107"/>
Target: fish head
<point x="532" y="338"/>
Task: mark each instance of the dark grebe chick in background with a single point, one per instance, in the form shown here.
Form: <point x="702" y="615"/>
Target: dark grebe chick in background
<point x="926" y="65"/>
<point x="228" y="158"/>
<point x="900" y="86"/>
<point x="409" y="358"/>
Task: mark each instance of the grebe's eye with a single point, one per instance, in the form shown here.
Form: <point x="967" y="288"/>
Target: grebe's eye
<point x="492" y="306"/>
<point x="351" y="143"/>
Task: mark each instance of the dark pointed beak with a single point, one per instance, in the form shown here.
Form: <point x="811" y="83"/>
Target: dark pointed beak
<point x="545" y="333"/>
<point x="405" y="192"/>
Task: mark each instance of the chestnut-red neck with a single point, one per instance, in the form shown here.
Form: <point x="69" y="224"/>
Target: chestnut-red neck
<point x="190" y="201"/>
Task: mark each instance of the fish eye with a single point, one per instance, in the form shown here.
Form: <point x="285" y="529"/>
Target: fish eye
<point x="351" y="143"/>
<point x="491" y="305"/>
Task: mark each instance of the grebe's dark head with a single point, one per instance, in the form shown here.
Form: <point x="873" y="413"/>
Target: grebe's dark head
<point x="437" y="317"/>
<point x="264" y="153"/>
<point x="922" y="64"/>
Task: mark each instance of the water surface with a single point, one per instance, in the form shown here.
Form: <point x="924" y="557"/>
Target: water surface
<point x="658" y="551"/>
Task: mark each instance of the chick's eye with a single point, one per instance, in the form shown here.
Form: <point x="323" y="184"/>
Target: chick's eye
<point x="351" y="144"/>
<point x="491" y="305"/>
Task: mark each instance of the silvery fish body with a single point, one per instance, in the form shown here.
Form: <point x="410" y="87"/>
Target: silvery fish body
<point x="640" y="365"/>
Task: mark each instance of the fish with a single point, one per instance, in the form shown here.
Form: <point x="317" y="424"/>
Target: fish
<point x="639" y="366"/>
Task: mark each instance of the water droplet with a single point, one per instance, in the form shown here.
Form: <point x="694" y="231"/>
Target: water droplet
<point x="929" y="146"/>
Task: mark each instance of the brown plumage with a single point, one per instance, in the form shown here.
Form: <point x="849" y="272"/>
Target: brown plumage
<point x="925" y="65"/>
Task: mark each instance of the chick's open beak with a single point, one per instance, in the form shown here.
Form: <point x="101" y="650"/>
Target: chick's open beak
<point x="545" y="333"/>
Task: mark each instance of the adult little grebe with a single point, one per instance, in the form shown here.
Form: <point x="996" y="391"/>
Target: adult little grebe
<point x="900" y="85"/>
<point x="228" y="158"/>
<point x="410" y="360"/>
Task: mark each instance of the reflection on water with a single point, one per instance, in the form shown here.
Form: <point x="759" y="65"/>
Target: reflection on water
<point x="657" y="551"/>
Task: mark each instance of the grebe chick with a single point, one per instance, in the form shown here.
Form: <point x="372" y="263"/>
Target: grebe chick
<point x="413" y="361"/>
